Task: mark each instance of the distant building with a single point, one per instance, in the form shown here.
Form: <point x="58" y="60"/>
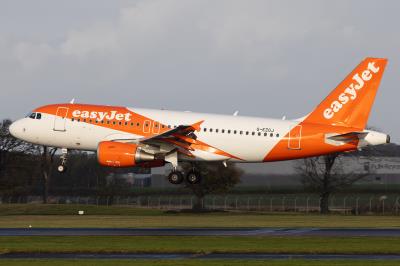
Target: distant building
<point x="135" y="177"/>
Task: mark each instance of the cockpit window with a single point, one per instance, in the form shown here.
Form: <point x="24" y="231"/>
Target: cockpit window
<point x="35" y="115"/>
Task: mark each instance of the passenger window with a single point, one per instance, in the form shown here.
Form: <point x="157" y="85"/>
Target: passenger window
<point x="234" y="132"/>
<point x="241" y="132"/>
<point x="126" y="123"/>
<point x="138" y="124"/>
<point x="277" y="135"/>
<point x="252" y="133"/>
<point x="259" y="133"/>
<point x="271" y="135"/>
<point x="216" y="130"/>
<point x="265" y="134"/>
<point x="210" y="129"/>
<point x="223" y="130"/>
<point x="247" y="132"/>
<point x="205" y="129"/>
<point x="114" y="122"/>
<point x="72" y="119"/>
<point x="131" y="124"/>
<point x="229" y="131"/>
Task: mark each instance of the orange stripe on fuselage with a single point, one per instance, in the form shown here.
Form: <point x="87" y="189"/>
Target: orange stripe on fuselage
<point x="101" y="114"/>
<point x="142" y="125"/>
<point x="312" y="143"/>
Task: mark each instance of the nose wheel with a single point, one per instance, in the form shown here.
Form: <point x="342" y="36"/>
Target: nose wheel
<point x="63" y="161"/>
<point x="61" y="168"/>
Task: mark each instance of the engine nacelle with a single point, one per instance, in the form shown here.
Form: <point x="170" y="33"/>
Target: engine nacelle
<point x="117" y="154"/>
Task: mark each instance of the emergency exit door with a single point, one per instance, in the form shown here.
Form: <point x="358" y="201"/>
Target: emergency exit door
<point x="60" y="119"/>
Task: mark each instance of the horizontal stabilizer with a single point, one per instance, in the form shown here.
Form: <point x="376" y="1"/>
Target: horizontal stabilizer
<point x="349" y="136"/>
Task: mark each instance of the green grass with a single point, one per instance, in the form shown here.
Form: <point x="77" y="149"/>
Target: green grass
<point x="53" y="215"/>
<point x="194" y="262"/>
<point x="72" y="209"/>
<point x="205" y="244"/>
<point x="199" y="220"/>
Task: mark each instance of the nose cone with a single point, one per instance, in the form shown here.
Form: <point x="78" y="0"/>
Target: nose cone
<point x="16" y="129"/>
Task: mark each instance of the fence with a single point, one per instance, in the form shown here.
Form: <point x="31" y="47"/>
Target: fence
<point x="308" y="203"/>
<point x="354" y="204"/>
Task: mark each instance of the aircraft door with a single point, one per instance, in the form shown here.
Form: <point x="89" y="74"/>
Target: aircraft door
<point x="60" y="119"/>
<point x="156" y="127"/>
<point x="294" y="142"/>
<point x="146" y="126"/>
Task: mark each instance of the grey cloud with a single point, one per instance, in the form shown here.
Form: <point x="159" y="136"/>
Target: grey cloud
<point x="266" y="58"/>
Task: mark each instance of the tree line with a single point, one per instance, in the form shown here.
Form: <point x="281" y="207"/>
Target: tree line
<point x="27" y="169"/>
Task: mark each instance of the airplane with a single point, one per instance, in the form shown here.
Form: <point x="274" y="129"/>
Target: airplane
<point x="127" y="137"/>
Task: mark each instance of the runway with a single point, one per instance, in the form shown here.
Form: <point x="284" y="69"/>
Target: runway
<point x="341" y="232"/>
<point x="173" y="256"/>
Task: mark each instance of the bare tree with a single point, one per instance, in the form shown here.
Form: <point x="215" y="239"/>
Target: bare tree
<point x="10" y="145"/>
<point x="326" y="175"/>
<point x="216" y="178"/>
<point x="46" y="167"/>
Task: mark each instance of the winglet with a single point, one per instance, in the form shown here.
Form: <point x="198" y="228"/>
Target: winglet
<point x="196" y="126"/>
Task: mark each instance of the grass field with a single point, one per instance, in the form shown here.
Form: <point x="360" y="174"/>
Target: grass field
<point x="201" y="245"/>
<point x="23" y="215"/>
<point x="194" y="262"/>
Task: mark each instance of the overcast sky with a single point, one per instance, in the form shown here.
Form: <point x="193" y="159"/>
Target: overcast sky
<point x="263" y="58"/>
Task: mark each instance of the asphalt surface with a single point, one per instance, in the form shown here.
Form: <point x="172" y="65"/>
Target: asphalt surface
<point x="345" y="232"/>
<point x="245" y="256"/>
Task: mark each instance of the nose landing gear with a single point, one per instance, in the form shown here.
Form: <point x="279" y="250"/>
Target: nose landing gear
<point x="63" y="161"/>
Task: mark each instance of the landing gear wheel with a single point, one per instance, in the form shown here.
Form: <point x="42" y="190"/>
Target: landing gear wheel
<point x="61" y="168"/>
<point x="193" y="177"/>
<point x="175" y="177"/>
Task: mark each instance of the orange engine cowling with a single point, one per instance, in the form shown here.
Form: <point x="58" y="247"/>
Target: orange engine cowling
<point x="117" y="154"/>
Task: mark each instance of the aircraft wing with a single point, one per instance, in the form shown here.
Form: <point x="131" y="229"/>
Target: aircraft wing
<point x="180" y="138"/>
<point x="179" y="131"/>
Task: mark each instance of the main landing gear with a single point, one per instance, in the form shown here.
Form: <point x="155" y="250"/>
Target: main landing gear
<point x="63" y="161"/>
<point x="176" y="177"/>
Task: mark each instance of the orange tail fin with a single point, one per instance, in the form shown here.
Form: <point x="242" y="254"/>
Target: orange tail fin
<point x="349" y="104"/>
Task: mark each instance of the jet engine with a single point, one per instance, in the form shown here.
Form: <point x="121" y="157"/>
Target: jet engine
<point x="118" y="154"/>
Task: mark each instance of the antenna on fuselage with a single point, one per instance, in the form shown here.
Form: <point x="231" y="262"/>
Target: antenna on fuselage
<point x="72" y="101"/>
<point x="235" y="113"/>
